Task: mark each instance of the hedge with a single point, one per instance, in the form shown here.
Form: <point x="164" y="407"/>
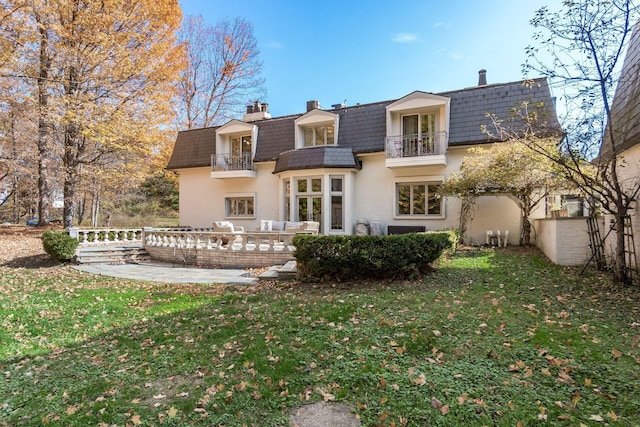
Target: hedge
<point x="360" y="257"/>
<point x="59" y="245"/>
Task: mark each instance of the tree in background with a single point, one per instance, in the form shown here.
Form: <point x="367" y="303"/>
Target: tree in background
<point x="581" y="48"/>
<point x="222" y="73"/>
<point x="103" y="73"/>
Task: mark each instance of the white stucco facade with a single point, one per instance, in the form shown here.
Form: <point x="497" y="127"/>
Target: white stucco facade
<point x="368" y="193"/>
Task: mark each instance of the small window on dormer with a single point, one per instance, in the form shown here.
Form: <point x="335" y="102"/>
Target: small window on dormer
<point x="319" y="135"/>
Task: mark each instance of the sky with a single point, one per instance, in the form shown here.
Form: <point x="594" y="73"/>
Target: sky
<point x="357" y="51"/>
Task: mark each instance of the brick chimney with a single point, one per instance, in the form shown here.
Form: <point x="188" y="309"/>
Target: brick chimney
<point x="257" y="111"/>
<point x="312" y="105"/>
<point x="482" y="78"/>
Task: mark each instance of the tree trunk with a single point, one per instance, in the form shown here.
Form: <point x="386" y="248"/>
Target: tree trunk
<point x="44" y="149"/>
<point x="95" y="208"/>
<point x="621" y="271"/>
<point x="525" y="232"/>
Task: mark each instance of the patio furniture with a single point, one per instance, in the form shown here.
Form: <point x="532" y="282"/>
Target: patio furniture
<point x="305" y="227"/>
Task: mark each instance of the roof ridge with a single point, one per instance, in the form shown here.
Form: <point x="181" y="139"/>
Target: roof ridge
<point x="493" y="85"/>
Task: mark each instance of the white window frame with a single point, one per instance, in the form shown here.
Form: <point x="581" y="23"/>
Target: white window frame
<point x="426" y="181"/>
<point x="248" y="197"/>
<point x="313" y="120"/>
<point x="340" y="194"/>
<point x="319" y="140"/>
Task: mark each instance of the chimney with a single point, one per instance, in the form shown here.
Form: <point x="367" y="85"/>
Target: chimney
<point x="257" y="111"/>
<point x="312" y="105"/>
<point x="482" y="78"/>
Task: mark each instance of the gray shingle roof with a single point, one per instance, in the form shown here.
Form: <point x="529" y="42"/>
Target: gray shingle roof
<point x="193" y="148"/>
<point x="362" y="128"/>
<point x="469" y="108"/>
<point x="625" y="108"/>
<point x="317" y="157"/>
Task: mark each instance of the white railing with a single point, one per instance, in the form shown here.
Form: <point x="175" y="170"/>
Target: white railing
<point x="194" y="239"/>
<point x="416" y="145"/>
<point x="87" y="236"/>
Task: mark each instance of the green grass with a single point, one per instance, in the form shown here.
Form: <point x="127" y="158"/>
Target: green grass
<point x="490" y="338"/>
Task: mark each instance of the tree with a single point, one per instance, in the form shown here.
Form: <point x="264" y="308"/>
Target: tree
<point x="103" y="72"/>
<point x="504" y="168"/>
<point x="581" y="49"/>
<point x="222" y="73"/>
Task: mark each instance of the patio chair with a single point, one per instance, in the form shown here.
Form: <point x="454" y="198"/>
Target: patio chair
<point x="228" y="227"/>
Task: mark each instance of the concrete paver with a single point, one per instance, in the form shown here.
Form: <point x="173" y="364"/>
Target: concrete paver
<point x="169" y="273"/>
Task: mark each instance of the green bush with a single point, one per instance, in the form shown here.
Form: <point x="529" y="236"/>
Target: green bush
<point x="59" y="245"/>
<point x="359" y="257"/>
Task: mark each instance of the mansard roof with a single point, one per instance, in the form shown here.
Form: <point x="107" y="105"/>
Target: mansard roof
<point x="362" y="128"/>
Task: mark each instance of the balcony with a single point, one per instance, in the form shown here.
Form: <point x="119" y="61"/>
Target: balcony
<point x="227" y="165"/>
<point x="416" y="150"/>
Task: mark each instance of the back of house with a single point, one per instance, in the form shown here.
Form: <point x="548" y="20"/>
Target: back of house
<point x="379" y="164"/>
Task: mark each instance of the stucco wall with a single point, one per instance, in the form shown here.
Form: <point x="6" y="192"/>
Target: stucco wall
<point x="369" y="194"/>
<point x="564" y="241"/>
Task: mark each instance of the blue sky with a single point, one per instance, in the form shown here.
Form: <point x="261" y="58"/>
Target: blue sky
<point x="368" y="51"/>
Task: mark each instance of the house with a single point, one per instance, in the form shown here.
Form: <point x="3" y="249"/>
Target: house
<point x="624" y="126"/>
<point x="381" y="162"/>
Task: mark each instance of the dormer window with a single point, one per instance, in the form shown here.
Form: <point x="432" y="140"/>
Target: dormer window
<point x="319" y="135"/>
<point x="317" y="128"/>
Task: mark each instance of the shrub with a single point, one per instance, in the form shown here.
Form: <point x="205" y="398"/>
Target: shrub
<point x="59" y="245"/>
<point x="358" y="257"/>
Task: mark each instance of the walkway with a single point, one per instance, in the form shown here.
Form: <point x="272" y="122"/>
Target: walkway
<point x="169" y="273"/>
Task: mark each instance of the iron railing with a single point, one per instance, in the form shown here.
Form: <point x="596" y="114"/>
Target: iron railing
<point x="230" y="162"/>
<point x="416" y="145"/>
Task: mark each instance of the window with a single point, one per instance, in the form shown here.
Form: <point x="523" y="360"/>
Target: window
<point x="319" y="135"/>
<point x="418" y="199"/>
<point x="309" y="200"/>
<point x="239" y="207"/>
<point x="419" y="131"/>
<point x="240" y="153"/>
<point x="337" y="211"/>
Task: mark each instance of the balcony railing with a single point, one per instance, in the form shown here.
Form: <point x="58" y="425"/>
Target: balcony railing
<point x="229" y="162"/>
<point x="416" y="145"/>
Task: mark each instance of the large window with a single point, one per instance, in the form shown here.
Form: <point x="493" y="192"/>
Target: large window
<point x="319" y="135"/>
<point x="239" y="207"/>
<point x="309" y="200"/>
<point x="418" y="199"/>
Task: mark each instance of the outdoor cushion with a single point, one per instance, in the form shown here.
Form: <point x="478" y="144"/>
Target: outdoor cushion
<point x="293" y="227"/>
<point x="266" y="224"/>
<point x="278" y="225"/>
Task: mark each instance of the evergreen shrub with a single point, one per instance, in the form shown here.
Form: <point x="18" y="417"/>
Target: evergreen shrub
<point x="361" y="257"/>
<point x="59" y="245"/>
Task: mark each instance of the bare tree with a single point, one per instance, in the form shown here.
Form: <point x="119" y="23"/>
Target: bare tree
<point x="580" y="48"/>
<point x="222" y="74"/>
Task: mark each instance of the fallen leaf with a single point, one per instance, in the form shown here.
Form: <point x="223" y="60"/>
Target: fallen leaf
<point x="616" y="353"/>
<point x="596" y="418"/>
<point x="136" y="420"/>
<point x="172" y="412"/>
<point x="436" y="403"/>
<point x="612" y="415"/>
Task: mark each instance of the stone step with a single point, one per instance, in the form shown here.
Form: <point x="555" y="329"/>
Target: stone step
<point x="110" y="254"/>
<point x="280" y="272"/>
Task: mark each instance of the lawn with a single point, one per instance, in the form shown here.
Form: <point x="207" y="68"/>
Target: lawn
<point x="490" y="338"/>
